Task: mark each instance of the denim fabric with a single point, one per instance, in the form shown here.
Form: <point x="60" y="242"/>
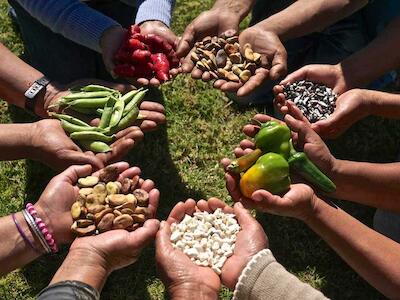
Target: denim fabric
<point x="69" y="290"/>
<point x="59" y="58"/>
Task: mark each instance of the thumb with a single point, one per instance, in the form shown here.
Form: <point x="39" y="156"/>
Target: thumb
<point x="163" y="243"/>
<point x="144" y="235"/>
<point x="73" y="173"/>
<point x="267" y="201"/>
<point x="186" y="42"/>
<point x="279" y="64"/>
<point x="245" y="219"/>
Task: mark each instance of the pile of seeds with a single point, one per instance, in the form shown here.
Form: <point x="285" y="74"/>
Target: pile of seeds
<point x="208" y="239"/>
<point x="222" y="57"/>
<point x="316" y="101"/>
<point x="104" y="204"/>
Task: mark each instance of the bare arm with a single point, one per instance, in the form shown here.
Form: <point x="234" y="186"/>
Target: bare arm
<point x="16" y="77"/>
<point x="307" y="16"/>
<point x="373" y="256"/>
<point x="14" y="251"/>
<point x="16" y="141"/>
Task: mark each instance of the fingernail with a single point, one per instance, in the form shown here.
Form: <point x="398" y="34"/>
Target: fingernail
<point x="257" y="197"/>
<point x="239" y="204"/>
<point x="162" y="224"/>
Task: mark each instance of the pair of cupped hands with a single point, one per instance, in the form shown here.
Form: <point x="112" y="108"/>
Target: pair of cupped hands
<point x="115" y="249"/>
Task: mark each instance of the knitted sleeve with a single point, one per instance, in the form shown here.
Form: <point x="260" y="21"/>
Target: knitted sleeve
<point x="265" y="278"/>
<point x="160" y="10"/>
<point x="72" y="19"/>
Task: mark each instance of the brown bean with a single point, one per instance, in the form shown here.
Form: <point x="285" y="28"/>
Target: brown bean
<point x="230" y="49"/>
<point x="135" y="181"/>
<point x="96" y="199"/>
<point x="99" y="188"/>
<point x="201" y="66"/>
<point x="133" y="227"/>
<point x="232" y="40"/>
<point x="90" y="216"/>
<point x="84" y="223"/>
<point x="221" y="58"/>
<point x="85" y="191"/>
<point x="116" y="199"/>
<point x="142" y="197"/>
<point x="232" y="77"/>
<point x="142" y="210"/>
<point x="88" y="181"/>
<point x="84" y="231"/>
<point x="109" y="173"/>
<point x="257" y="58"/>
<point x="122" y="222"/>
<point x="127" y="211"/>
<point x="126" y="186"/>
<point x="236" y="58"/>
<point x="206" y="40"/>
<point x="139" y="218"/>
<point x="100" y="215"/>
<point x="96" y="208"/>
<point x="248" y="54"/>
<point x="236" y="70"/>
<point x="117" y="212"/>
<point x="76" y="210"/>
<point x="112" y="188"/>
<point x="106" y="223"/>
<point x="228" y="65"/>
<point x="252" y="67"/>
<point x="194" y="57"/>
<point x="245" y="75"/>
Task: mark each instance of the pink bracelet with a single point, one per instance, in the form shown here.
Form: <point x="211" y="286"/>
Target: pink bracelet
<point x="43" y="228"/>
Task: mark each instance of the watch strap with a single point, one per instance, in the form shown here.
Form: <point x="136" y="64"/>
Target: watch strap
<point x="33" y="90"/>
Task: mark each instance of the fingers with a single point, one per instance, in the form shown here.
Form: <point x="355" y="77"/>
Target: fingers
<point x="232" y="187"/>
<point x="154" y="199"/>
<point x="73" y="173"/>
<point x="132" y="132"/>
<point x="230" y="86"/>
<point x="279" y="64"/>
<point x="163" y="242"/>
<point x="122" y="166"/>
<point x="142" y="236"/>
<point x="187" y="64"/>
<point x="245" y="219"/>
<point x="157" y="110"/>
<point x="214" y="203"/>
<point x="180" y="209"/>
<point x="129" y="173"/>
<point x="254" y="82"/>
<point x="301" y="74"/>
<point x="187" y="41"/>
<point x="71" y="157"/>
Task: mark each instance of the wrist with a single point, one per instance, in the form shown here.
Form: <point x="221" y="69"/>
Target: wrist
<point x="192" y="290"/>
<point x="49" y="97"/>
<point x="112" y="34"/>
<point x="84" y="265"/>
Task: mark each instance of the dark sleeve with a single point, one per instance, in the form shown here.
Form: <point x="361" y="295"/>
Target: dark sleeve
<point x="69" y="290"/>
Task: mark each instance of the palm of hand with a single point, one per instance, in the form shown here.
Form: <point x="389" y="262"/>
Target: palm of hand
<point x="298" y="202"/>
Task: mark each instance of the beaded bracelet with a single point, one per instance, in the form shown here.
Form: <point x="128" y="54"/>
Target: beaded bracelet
<point x="32" y="225"/>
<point x="43" y="228"/>
<point x="25" y="238"/>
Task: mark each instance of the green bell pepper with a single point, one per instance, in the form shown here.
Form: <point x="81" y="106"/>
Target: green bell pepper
<point x="274" y="137"/>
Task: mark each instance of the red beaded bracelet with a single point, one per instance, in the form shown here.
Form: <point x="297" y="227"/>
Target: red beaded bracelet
<point x="43" y="228"/>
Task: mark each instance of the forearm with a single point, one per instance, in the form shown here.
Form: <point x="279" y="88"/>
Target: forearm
<point x="307" y="16"/>
<point x="373" y="256"/>
<point x="16" y="141"/>
<point x="376" y="185"/>
<point x="379" y="57"/>
<point x="382" y="104"/>
<point x="72" y="19"/>
<point x="14" y="251"/>
<point x="83" y="266"/>
<point x="241" y="8"/>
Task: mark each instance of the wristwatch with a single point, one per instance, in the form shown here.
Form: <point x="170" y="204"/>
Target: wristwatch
<point x="33" y="91"/>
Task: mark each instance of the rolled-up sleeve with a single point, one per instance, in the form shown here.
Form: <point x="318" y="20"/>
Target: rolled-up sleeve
<point x="69" y="290"/>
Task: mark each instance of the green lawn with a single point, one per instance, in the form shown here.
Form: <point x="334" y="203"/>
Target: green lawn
<point x="183" y="159"/>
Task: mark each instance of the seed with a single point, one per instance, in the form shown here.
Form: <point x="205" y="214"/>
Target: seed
<point x="135" y="181"/>
<point x="130" y="203"/>
<point x="232" y="40"/>
<point x="100" y="188"/>
<point x="96" y="199"/>
<point x="84" y="231"/>
<point x="221" y="58"/>
<point x="90" y="216"/>
<point x="194" y="57"/>
<point x="88" y="181"/>
<point x="251" y="67"/>
<point x="117" y="213"/>
<point x="85" y="191"/>
<point x="84" y="223"/>
<point x="116" y="199"/>
<point x="206" y="40"/>
<point x="246" y="46"/>
<point x="236" y="70"/>
<point x="214" y="75"/>
<point x="257" y="57"/>
<point x="106" y="223"/>
<point x="100" y="215"/>
<point x="245" y="75"/>
<point x="222" y="41"/>
<point x="112" y="188"/>
<point x="230" y="49"/>
<point x="122" y="222"/>
<point x="139" y="218"/>
<point x="222" y="73"/>
<point x="109" y="173"/>
<point x="235" y="58"/>
<point x="232" y="77"/>
<point x="142" y="210"/>
<point x="142" y="197"/>
<point x="94" y="209"/>
<point x="229" y="65"/>
<point x="249" y="54"/>
<point x="201" y="66"/>
<point x="127" y="211"/>
<point x="76" y="210"/>
<point x="126" y="186"/>
<point x="133" y="227"/>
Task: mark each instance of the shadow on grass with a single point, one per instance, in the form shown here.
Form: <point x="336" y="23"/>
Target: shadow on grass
<point x="153" y="157"/>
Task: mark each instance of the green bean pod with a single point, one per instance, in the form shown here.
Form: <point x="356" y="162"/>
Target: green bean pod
<point x="107" y="112"/>
<point x="99" y="112"/>
<point x="135" y="101"/>
<point x="117" y="111"/>
<point x="129" y="95"/>
<point x="128" y="119"/>
<point x="70" y="128"/>
<point x="92" y="136"/>
<point x="95" y="146"/>
<point x="69" y="119"/>
<point x="88" y="103"/>
<point x="84" y="111"/>
<point x="97" y="88"/>
<point x="86" y="95"/>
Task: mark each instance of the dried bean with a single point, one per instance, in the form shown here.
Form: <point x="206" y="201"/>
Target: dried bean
<point x="109" y="173"/>
<point x="112" y="188"/>
<point x="122" y="222"/>
<point x="84" y="223"/>
<point x="106" y="223"/>
<point x="139" y="218"/>
<point x="126" y="185"/>
<point x="76" y="210"/>
<point x="142" y="197"/>
<point x="88" y="181"/>
<point x="100" y="215"/>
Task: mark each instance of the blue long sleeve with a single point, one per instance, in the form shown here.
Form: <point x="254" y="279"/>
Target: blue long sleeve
<point x="160" y="10"/>
<point x="72" y="19"/>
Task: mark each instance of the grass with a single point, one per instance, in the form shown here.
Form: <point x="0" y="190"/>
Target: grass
<point x="182" y="158"/>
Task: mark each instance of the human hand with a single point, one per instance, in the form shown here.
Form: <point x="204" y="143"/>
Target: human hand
<point x="214" y="22"/>
<point x="250" y="240"/>
<point x="51" y="145"/>
<point x="273" y="55"/>
<point x="181" y="276"/>
<point x="54" y="205"/>
<point x="330" y="75"/>
<point x="110" y="42"/>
